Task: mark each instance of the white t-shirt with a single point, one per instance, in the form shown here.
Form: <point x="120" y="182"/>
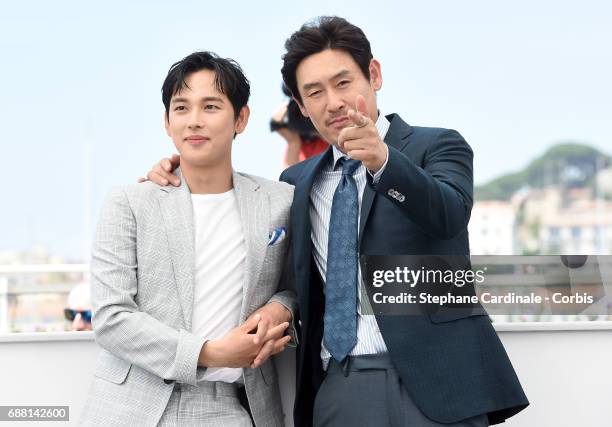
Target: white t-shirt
<point x="220" y="253"/>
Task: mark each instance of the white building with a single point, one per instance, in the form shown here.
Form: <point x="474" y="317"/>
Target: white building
<point x="491" y="228"/>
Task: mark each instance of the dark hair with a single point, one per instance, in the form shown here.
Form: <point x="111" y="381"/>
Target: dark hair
<point x="229" y="78"/>
<point x="324" y="32"/>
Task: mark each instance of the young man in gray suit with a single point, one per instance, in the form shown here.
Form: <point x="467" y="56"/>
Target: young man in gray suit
<point x="184" y="279"/>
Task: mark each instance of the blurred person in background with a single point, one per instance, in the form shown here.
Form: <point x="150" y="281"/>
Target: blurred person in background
<point x="303" y="140"/>
<point x="79" y="308"/>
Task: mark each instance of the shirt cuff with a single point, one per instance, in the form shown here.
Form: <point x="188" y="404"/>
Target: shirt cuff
<point x="376" y="176"/>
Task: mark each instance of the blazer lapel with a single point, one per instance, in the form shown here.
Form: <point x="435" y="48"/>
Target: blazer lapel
<point x="398" y="133"/>
<point x="396" y="137"/>
<point x="300" y="218"/>
<point x="254" y="208"/>
<point x="177" y="212"/>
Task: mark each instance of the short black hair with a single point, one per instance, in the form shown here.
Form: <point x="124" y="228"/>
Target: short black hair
<point x="229" y="78"/>
<point x="324" y="32"/>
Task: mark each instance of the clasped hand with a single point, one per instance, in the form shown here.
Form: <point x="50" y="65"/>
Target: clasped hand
<point x="250" y="344"/>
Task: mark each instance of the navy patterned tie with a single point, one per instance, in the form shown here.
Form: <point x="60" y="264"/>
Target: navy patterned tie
<point x="340" y="320"/>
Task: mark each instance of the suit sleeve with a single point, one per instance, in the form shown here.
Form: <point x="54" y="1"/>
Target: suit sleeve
<point x="119" y="325"/>
<point x="286" y="295"/>
<point x="438" y="196"/>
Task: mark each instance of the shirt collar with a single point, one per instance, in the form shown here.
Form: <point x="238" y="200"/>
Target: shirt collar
<point x="382" y="126"/>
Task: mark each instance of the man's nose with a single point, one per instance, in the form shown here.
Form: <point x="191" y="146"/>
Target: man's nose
<point x="335" y="102"/>
<point x="196" y="119"/>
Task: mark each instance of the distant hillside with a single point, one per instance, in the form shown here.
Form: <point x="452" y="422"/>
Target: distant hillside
<point x="571" y="165"/>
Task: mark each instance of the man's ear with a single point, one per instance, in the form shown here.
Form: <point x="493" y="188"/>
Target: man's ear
<point x="242" y="120"/>
<point x="167" y="124"/>
<point x="302" y="109"/>
<point x="376" y="79"/>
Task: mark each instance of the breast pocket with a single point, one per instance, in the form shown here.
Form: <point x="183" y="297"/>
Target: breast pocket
<point x="277" y="246"/>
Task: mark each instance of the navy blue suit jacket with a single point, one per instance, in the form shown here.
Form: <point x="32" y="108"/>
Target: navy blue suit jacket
<point x="454" y="367"/>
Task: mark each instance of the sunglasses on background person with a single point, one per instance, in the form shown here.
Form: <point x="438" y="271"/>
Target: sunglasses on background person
<point x="71" y="314"/>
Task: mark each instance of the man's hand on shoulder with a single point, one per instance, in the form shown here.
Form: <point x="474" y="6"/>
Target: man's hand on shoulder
<point x="161" y="173"/>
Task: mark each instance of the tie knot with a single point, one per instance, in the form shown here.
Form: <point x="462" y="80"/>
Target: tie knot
<point x="349" y="166"/>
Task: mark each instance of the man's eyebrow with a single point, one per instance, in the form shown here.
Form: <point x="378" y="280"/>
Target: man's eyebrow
<point x="309" y="86"/>
<point x="177" y="100"/>
<point x="213" y="99"/>
<point x="339" y="74"/>
<point x="205" y="99"/>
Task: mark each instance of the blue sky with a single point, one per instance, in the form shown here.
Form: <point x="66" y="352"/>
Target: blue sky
<point x="82" y="109"/>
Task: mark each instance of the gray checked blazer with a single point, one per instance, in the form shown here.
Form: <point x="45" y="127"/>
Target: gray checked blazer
<point x="142" y="293"/>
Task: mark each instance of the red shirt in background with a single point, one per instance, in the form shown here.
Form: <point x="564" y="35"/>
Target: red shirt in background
<point x="312" y="148"/>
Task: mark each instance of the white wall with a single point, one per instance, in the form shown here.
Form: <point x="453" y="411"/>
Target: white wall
<point x="51" y="373"/>
<point x="567" y="375"/>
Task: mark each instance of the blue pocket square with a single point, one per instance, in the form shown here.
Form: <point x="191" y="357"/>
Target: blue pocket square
<point x="276" y="236"/>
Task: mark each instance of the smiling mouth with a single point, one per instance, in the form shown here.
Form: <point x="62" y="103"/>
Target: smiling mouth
<point x="196" y="140"/>
<point x="339" y="122"/>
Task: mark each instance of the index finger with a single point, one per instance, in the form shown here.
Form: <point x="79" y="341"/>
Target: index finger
<point x="263" y="354"/>
<point x="262" y="330"/>
<point x="251" y="323"/>
<point x="156" y="178"/>
<point x="277" y="331"/>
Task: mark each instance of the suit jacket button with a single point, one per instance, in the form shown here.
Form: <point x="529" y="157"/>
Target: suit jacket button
<point x="168" y="381"/>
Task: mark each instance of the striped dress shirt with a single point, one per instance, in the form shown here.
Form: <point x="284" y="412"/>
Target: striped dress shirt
<point x="369" y="338"/>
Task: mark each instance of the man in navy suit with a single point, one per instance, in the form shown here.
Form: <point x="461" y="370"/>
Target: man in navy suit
<point x="403" y="190"/>
<point x="415" y="194"/>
